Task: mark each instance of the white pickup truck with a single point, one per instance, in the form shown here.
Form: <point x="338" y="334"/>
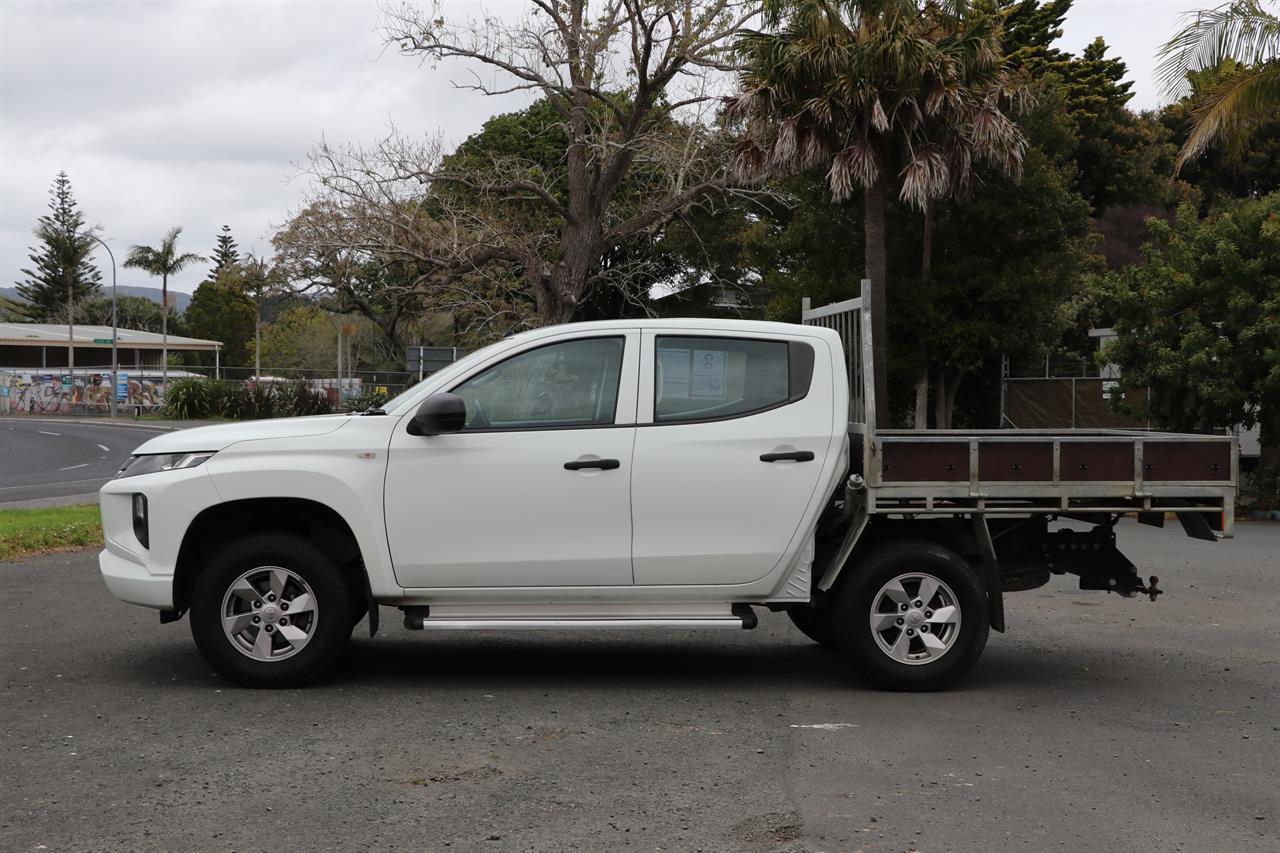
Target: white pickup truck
<point x="636" y="474"/>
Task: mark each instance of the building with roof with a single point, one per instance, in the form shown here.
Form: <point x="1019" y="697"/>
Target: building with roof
<point x="35" y="378"/>
<point x="46" y="346"/>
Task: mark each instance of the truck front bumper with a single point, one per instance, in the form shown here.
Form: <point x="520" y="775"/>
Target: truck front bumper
<point x="130" y="581"/>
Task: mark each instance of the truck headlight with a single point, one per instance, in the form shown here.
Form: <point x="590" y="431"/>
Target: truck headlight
<point x="153" y="462"/>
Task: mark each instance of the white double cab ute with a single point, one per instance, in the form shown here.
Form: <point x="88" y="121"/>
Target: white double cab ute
<point x="661" y="474"/>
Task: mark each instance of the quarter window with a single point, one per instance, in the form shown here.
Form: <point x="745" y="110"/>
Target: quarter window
<point x="711" y="378"/>
<point x="574" y="383"/>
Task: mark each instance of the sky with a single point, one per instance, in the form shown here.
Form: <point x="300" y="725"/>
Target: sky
<point x="198" y="113"/>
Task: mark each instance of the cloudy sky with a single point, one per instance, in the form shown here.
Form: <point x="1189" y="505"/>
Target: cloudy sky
<point x="194" y="113"/>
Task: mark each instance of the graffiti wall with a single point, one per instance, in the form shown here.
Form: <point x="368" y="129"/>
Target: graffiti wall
<point x="62" y="394"/>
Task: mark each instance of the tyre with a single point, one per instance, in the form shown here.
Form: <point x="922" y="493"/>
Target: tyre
<point x="814" y="623"/>
<point x="911" y="616"/>
<point x="271" y="610"/>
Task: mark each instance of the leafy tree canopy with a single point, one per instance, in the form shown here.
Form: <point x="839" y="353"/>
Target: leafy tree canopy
<point x="219" y="310"/>
<point x="132" y="312"/>
<point x="891" y="98"/>
<point x="301" y="337"/>
<point x="1239" y="43"/>
<point x="1247" y="170"/>
<point x="1010" y="266"/>
<point x="1199" y="320"/>
<point x="1120" y="157"/>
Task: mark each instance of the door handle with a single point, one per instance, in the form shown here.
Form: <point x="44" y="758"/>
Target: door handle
<point x="794" y="456"/>
<point x="602" y="464"/>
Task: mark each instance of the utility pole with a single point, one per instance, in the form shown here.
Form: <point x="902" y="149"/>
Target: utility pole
<point x="115" y="356"/>
<point x="71" y="325"/>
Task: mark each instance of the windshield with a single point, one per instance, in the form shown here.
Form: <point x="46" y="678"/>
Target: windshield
<point x="461" y="364"/>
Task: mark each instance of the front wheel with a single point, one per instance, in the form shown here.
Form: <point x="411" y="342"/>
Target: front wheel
<point x="911" y="616"/>
<point x="271" y="610"/>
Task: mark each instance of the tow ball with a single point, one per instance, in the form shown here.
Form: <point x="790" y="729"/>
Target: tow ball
<point x="1092" y="554"/>
<point x="1134" y="584"/>
<point x="1151" y="589"/>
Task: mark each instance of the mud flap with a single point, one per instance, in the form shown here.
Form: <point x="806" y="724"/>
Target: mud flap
<point x="1197" y="526"/>
<point x="371" y="603"/>
<point x="995" y="586"/>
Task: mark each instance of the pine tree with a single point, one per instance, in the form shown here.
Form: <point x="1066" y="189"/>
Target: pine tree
<point x="1030" y="29"/>
<point x="62" y="270"/>
<point x="225" y="255"/>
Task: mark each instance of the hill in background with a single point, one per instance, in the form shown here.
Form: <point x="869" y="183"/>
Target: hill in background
<point x="152" y="293"/>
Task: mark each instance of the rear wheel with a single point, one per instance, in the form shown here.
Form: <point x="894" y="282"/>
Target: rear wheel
<point x="911" y="616"/>
<point x="271" y="610"/>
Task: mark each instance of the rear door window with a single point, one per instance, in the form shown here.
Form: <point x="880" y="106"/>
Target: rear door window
<point x="697" y="379"/>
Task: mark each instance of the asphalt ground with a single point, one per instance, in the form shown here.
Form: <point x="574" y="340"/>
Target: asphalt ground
<point x="44" y="458"/>
<point x="1096" y="723"/>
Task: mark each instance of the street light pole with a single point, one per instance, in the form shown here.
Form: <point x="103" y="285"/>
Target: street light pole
<point x="115" y="359"/>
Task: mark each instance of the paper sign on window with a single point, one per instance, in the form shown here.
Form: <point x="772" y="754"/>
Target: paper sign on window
<point x="708" y="376"/>
<point x="675" y="372"/>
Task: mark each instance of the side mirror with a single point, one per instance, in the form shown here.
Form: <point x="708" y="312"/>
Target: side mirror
<point x="438" y="414"/>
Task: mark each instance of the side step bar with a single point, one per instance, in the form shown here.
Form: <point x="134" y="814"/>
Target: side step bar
<point x="418" y="618"/>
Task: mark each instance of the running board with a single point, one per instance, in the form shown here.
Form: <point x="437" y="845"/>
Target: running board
<point x="418" y="618"/>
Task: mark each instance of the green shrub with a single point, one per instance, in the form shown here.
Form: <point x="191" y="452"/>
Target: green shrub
<point x="235" y="402"/>
<point x="1260" y="490"/>
<point x="366" y="400"/>
<point x="188" y="398"/>
<point x="262" y="396"/>
<point x="199" y="397"/>
<point x="298" y="400"/>
<point x="217" y="390"/>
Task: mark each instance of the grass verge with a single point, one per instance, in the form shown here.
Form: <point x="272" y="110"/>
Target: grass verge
<point x="26" y="532"/>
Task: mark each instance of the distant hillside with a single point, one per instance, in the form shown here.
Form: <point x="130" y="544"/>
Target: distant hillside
<point x="152" y="293"/>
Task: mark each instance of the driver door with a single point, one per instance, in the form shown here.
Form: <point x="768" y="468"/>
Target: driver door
<point x="535" y="489"/>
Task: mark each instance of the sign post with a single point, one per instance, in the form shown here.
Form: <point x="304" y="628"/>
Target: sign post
<point x="425" y="360"/>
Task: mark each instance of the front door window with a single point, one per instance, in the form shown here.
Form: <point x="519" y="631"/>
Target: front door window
<point x="571" y="384"/>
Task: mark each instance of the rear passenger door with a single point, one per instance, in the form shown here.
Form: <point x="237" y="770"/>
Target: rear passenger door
<point x="732" y="435"/>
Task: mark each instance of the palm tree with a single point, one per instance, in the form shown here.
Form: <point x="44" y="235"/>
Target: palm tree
<point x="888" y="94"/>
<point x="164" y="262"/>
<point x="1239" y="43"/>
<point x="259" y="280"/>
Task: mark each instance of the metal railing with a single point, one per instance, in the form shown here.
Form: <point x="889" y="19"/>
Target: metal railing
<point x="851" y="319"/>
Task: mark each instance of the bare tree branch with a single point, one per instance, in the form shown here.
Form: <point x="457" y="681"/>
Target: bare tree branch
<point x="634" y="86"/>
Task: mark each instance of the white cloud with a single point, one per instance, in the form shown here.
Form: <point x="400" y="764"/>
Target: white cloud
<point x="193" y="114"/>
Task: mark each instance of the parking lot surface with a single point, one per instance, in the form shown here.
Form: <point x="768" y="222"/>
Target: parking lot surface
<point x="1096" y="723"/>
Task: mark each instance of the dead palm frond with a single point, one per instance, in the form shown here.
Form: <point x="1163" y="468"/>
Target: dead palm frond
<point x="879" y="89"/>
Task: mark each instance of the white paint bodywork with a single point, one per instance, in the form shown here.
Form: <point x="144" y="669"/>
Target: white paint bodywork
<point x="705" y="508"/>
<point x="691" y="518"/>
<point x="541" y="526"/>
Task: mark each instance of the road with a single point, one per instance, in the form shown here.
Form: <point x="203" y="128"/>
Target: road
<point x="1096" y="723"/>
<point x="49" y="457"/>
